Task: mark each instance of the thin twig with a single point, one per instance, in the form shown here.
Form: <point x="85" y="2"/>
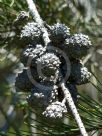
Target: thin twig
<point x="37" y="18"/>
<point x="73" y="109"/>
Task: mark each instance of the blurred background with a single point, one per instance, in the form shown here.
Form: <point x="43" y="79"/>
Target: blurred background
<point x="16" y="118"/>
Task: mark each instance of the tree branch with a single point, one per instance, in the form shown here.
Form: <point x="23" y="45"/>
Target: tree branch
<point x="73" y="108"/>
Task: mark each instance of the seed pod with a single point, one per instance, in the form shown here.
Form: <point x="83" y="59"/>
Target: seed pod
<point x="23" y="16"/>
<point x="31" y="53"/>
<point x="77" y="46"/>
<point x="55" y="110"/>
<point x="48" y="66"/>
<point x="24" y="80"/>
<point x="79" y="74"/>
<point x="41" y="96"/>
<point x="58" y="32"/>
<point x="31" y="33"/>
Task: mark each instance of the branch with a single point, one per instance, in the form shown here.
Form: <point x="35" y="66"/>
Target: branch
<point x="73" y="109"/>
<point x="37" y="18"/>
